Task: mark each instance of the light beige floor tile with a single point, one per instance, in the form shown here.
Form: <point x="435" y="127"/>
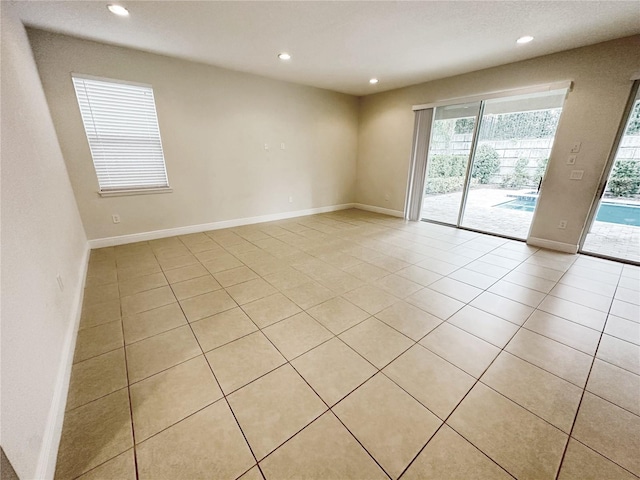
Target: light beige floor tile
<point x="366" y="272"/>
<point x="390" y="264"/>
<point x="166" y="398"/>
<point x="234" y="276"/>
<point x="484" y="325"/>
<point x="252" y="474"/>
<point x="185" y="273"/>
<point x="502" y="307"/>
<point x="434" y="382"/>
<point x="122" y="467"/>
<point x="143" y="301"/>
<point x="438" y="266"/>
<point x="390" y="424"/>
<point x="570" y="333"/>
<point x="572" y="311"/>
<point x="464" y="350"/>
<point x="98" y="340"/>
<point x="324" y="450"/>
<point x="623" y="354"/>
<point x="249" y="291"/>
<point x="146" y="324"/>
<point x="540" y="392"/>
<point x="582" y="463"/>
<point x="100" y="294"/>
<point x="566" y="362"/>
<point x="448" y="456"/>
<point x="274" y="408"/>
<point x="97" y="377"/>
<point x="419" y="275"/>
<point x="494" y="271"/>
<point x="397" y="286"/>
<point x="177" y="261"/>
<point x="625" y="310"/>
<point x="160" y="352"/>
<point x="99" y="314"/>
<point x="206" y="445"/>
<point x="591" y="284"/>
<point x="308" y="295"/>
<point x="438" y="304"/>
<point x="409" y="320"/>
<point x="194" y="287"/>
<point x="271" y="309"/>
<point x="221" y="263"/>
<point x="94" y="433"/>
<point x="376" y="341"/>
<point x="609" y="430"/>
<point x="137" y="271"/>
<point x="142" y="284"/>
<point x="297" y="335"/>
<point x="539" y="271"/>
<point x="629" y="284"/>
<point x="338" y="314"/>
<point x="523" y="444"/>
<point x="476" y="279"/>
<point x="623" y="329"/>
<point x="370" y="299"/>
<point x="242" y="361"/>
<point x="616" y="385"/>
<point x="582" y="297"/>
<point x="462" y="292"/>
<point x="517" y="293"/>
<point x="213" y="332"/>
<point x="197" y="308"/>
<point x="333" y="370"/>
<point x="530" y="281"/>
<point x="287" y="278"/>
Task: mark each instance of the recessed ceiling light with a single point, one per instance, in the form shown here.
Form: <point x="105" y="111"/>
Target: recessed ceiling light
<point x="118" y="10"/>
<point x="525" y="39"/>
<point x="284" y="56"/>
<point x="373" y="81"/>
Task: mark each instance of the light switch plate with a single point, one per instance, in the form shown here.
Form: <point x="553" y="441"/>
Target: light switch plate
<point x="576" y="174"/>
<point x="572" y="159"/>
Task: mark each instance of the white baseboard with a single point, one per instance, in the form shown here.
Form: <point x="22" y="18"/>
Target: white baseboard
<point x="385" y="211"/>
<point x="46" y="467"/>
<point x="205" y="227"/>
<point x="552" y="245"/>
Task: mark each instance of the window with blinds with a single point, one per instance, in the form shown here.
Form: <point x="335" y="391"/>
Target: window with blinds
<point x="122" y="129"/>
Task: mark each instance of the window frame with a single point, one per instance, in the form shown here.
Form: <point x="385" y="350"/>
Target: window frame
<point x="123" y="190"/>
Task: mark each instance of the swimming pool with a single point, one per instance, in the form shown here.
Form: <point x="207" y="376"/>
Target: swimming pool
<point x="620" y="213"/>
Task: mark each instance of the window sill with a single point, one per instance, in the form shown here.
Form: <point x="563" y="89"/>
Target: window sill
<point x="136" y="191"/>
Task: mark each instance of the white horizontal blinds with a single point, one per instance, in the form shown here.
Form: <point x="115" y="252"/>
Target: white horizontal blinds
<point x="122" y="129"/>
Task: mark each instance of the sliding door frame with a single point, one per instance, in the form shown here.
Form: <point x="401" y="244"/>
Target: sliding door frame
<point x="604" y="179"/>
<point x="568" y="85"/>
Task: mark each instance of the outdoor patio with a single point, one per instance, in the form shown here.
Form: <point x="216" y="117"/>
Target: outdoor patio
<point x="482" y="213"/>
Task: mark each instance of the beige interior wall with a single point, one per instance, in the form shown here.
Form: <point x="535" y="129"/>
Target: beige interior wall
<point x="214" y="124"/>
<point x="42" y="236"/>
<point x="592" y="114"/>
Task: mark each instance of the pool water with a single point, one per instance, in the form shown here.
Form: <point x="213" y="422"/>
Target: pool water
<point x="624" y="214"/>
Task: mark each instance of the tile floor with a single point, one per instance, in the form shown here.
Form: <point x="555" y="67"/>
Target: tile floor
<point x="353" y="345"/>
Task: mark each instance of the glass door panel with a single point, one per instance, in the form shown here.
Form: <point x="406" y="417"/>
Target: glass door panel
<point x="615" y="230"/>
<point x="447" y="162"/>
<point x="513" y="147"/>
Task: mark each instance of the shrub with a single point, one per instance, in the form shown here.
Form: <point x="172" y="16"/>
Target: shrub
<point x="625" y="178"/>
<point x="518" y="178"/>
<point x="486" y="164"/>
<point x="540" y="169"/>
<point x="443" y="185"/>
<point x="444" y="166"/>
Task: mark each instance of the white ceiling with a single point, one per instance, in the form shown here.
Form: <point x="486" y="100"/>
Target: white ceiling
<point x="339" y="45"/>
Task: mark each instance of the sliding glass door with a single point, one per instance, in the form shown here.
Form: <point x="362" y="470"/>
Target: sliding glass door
<point x="448" y="161"/>
<point x="487" y="159"/>
<point x="614" y="227"/>
<point x="513" y="149"/>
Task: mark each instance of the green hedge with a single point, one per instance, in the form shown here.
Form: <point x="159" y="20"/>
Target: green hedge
<point x="443" y="185"/>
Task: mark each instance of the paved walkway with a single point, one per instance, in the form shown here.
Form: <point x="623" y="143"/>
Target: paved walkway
<point x="611" y="239"/>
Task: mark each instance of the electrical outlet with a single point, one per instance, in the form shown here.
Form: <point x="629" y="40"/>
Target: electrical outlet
<point x="282" y="146"/>
<point x="386" y="197"/>
<point x="116" y="218"/>
<point x="576" y="147"/>
<point x="572" y="159"/>
<point x="290" y="199"/>
<point x="266" y="146"/>
<point x="562" y="225"/>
